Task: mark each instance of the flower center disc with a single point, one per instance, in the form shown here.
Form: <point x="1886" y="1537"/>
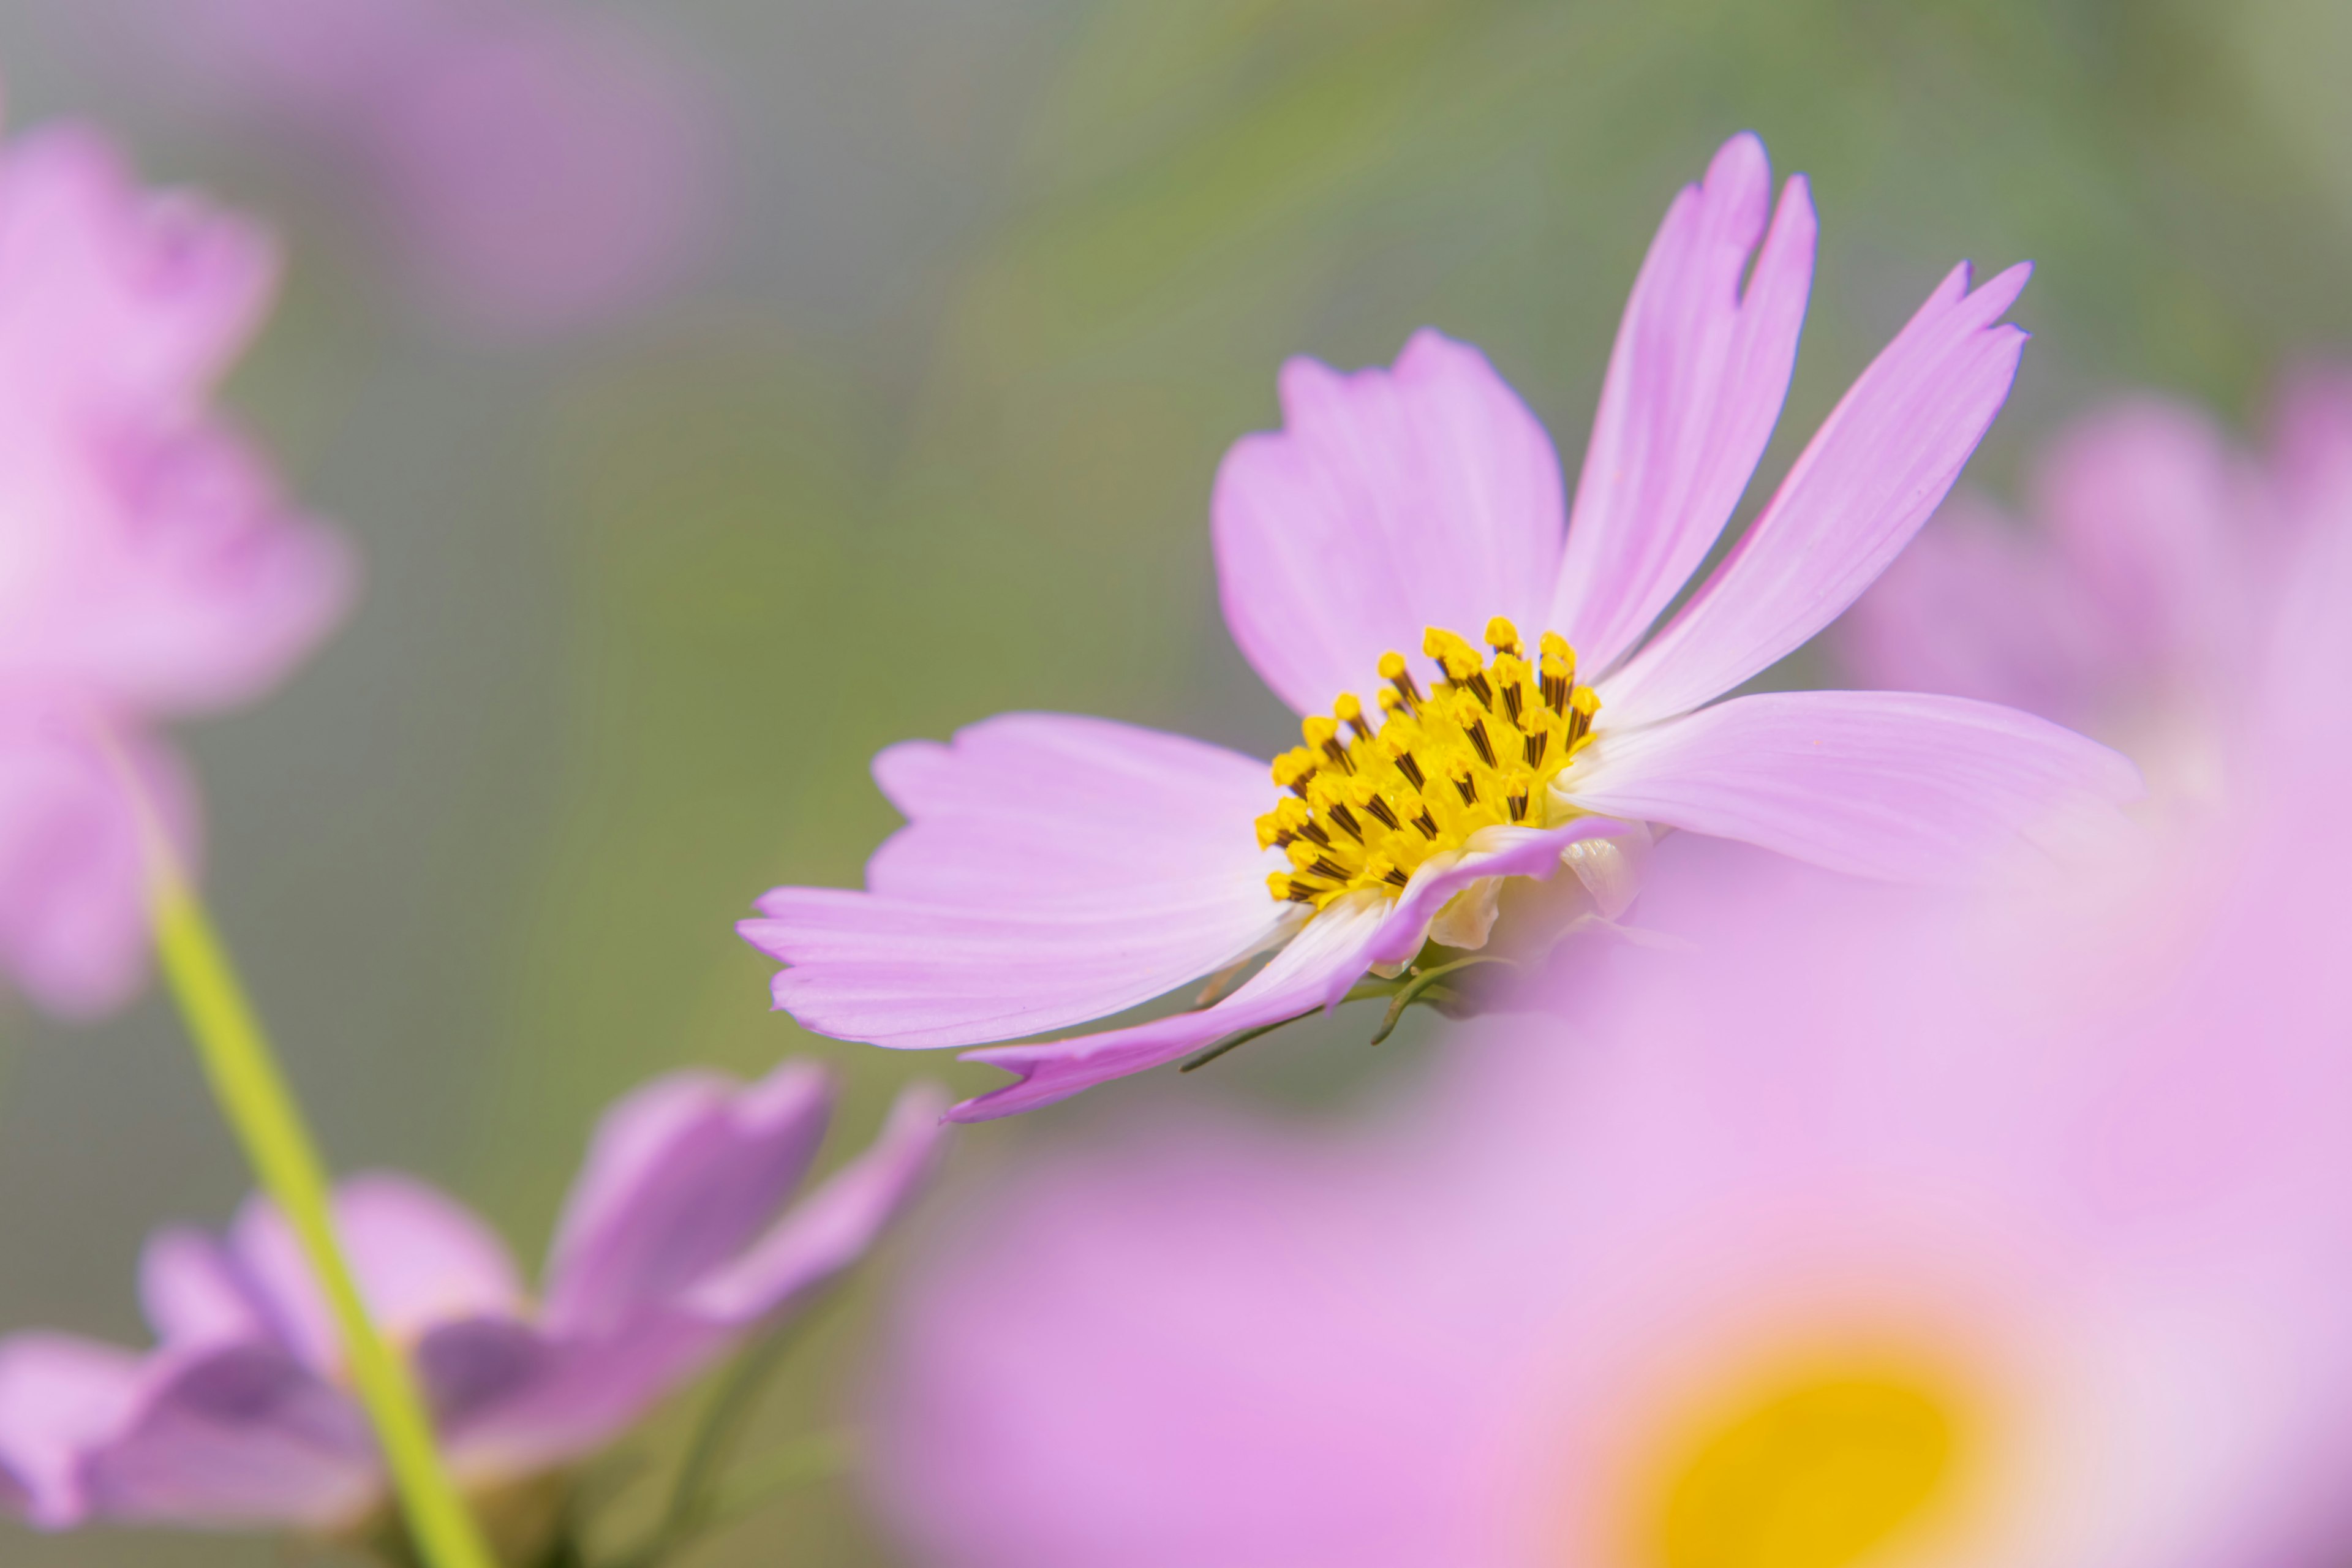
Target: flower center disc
<point x="1371" y="800"/>
<point x="1818" y="1475"/>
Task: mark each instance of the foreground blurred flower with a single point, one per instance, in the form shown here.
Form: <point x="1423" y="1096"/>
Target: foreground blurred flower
<point x="1888" y="1229"/>
<point x="149" y="567"/>
<point x="1056" y="869"/>
<point x="541" y="166"/>
<point x="2134" y="607"/>
<point x="670" y="1248"/>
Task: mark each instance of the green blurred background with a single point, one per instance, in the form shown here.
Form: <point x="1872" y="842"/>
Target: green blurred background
<point x="933" y="437"/>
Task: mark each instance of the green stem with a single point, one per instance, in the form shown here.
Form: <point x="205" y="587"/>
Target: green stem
<point x="259" y="1108"/>
<point x="691" y="1500"/>
<point x="1423" y="980"/>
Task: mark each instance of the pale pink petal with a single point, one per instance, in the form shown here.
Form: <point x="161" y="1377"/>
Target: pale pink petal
<point x="194" y="1291"/>
<point x="418" y="1255"/>
<point x="1694" y="386"/>
<point x="682" y="1173"/>
<point x="833" y="1227"/>
<point x="1979" y="607"/>
<point x="73" y="912"/>
<point x="1878" y="784"/>
<point x="519" y="1403"/>
<point x="236" y="1435"/>
<point x="60" y="1394"/>
<point x="1499" y="851"/>
<point x="2157" y="520"/>
<point x="118" y="291"/>
<point x="1329" y="954"/>
<point x="516" y="1399"/>
<point x="1879" y="465"/>
<point x="148" y="552"/>
<point x="1054" y="869"/>
<point x="1391" y="501"/>
<point x="1019" y="809"/>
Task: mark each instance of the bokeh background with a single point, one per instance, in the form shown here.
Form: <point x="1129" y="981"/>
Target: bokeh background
<point x="921" y="426"/>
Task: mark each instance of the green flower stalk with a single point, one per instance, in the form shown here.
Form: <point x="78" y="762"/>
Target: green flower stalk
<point x="260" y="1108"/>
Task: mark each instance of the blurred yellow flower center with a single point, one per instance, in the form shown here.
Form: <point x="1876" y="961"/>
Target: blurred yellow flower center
<point x="1819" y="1473"/>
<point x="1374" y="796"/>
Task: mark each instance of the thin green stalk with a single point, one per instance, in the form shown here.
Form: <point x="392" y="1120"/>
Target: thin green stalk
<point x="259" y="1108"/>
<point x="693" y="1497"/>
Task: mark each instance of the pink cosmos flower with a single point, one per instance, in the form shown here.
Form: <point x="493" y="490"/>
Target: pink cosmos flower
<point x="675" y="1242"/>
<point x="149" y="567"/>
<point x="540" y="167"/>
<point x="1056" y="869"/>
<point x="2134" y="605"/>
<point x="1925" y="1231"/>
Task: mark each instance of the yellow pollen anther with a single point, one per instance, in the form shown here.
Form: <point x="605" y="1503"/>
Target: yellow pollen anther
<point x="1351" y="714"/>
<point x="1582" y="707"/>
<point x="1368" y="800"/>
<point x="1460" y="660"/>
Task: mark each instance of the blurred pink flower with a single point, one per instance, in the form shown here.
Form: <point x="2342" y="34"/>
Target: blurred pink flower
<point x="2131" y="607"/>
<point x="1882" y="1226"/>
<point x="148" y="568"/>
<point x="542" y="166"/>
<point x="1056" y="869"/>
<point x="676" y="1241"/>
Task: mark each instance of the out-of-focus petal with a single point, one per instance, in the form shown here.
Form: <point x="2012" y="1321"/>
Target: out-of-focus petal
<point x="1879" y="465"/>
<point x="681" y="1173"/>
<point x="1054" y="869"/>
<point x="1247" y="1356"/>
<point x="1695" y="385"/>
<point x="73" y="914"/>
<point x="831" y="1229"/>
<point x="60" y="1394"/>
<point x="1978" y="607"/>
<point x="2158" y="522"/>
<point x="515" y="1399"/>
<point x="148" y="555"/>
<point x="420" y="1259"/>
<point x="194" y="1292"/>
<point x="546" y="168"/>
<point x="518" y="1402"/>
<point x="236" y="1435"/>
<point x="113" y="292"/>
<point x="1391" y="501"/>
<point x="1892" y="784"/>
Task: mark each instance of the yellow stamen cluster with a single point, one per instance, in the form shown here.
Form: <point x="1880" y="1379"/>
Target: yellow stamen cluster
<point x="1371" y="798"/>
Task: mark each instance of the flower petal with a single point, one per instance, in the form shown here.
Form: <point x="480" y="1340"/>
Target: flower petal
<point x="1879" y="783"/>
<point x="73" y="914"/>
<point x="1054" y="869"/>
<point x="158" y="563"/>
<point x="682" y="1173"/>
<point x="1500" y="851"/>
<point x="831" y="1229"/>
<point x="1695" y="385"/>
<point x="60" y="1394"/>
<point x="1391" y="500"/>
<point x="194" y="1293"/>
<point x="236" y="1435"/>
<point x="1978" y="607"/>
<point x="419" y="1256"/>
<point x="1315" y="971"/>
<point x="514" y="1399"/>
<point x="1882" y="461"/>
<point x="2159" y="521"/>
<point x="517" y="1403"/>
